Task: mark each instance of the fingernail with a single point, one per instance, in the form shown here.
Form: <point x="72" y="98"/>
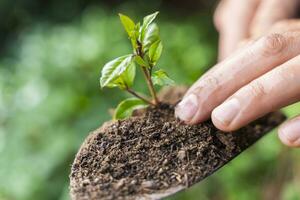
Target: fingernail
<point x="226" y="112"/>
<point x="291" y="132"/>
<point x="187" y="108"/>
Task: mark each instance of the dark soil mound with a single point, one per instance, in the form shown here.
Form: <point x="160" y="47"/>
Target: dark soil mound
<point x="154" y="155"/>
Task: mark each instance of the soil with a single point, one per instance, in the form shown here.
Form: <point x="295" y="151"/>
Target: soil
<point x="153" y="155"/>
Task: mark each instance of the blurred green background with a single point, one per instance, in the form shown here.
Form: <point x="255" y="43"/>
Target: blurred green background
<point x="51" y="56"/>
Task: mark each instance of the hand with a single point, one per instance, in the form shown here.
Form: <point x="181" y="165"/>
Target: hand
<point x="261" y="77"/>
<point x="239" y="20"/>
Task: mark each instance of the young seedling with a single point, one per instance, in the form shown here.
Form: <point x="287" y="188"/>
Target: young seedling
<point x="120" y="72"/>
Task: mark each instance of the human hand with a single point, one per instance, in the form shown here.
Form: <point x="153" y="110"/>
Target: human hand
<point x="238" y="20"/>
<point x="261" y="77"/>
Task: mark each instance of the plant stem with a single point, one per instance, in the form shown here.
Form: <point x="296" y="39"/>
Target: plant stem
<point x="147" y="74"/>
<point x="139" y="96"/>
<point x="150" y="85"/>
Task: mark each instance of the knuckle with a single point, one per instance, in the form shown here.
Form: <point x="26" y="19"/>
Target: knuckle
<point x="211" y="82"/>
<point x="209" y="85"/>
<point x="256" y="89"/>
<point x="280" y="25"/>
<point x="273" y="44"/>
<point x="285" y="73"/>
<point x="285" y="25"/>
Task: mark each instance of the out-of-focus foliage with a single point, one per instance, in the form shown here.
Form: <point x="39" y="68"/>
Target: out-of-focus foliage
<point x="50" y="99"/>
<point x="50" y="96"/>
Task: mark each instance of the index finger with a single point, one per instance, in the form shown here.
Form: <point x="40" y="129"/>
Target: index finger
<point x="235" y="72"/>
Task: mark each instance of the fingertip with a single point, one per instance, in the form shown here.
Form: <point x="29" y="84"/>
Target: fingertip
<point x="224" y="115"/>
<point x="289" y="133"/>
<point x="195" y="106"/>
<point x="285" y="139"/>
<point x="219" y="124"/>
<point x="187" y="108"/>
<point x="190" y="111"/>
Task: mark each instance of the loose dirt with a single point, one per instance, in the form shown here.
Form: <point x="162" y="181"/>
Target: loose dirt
<point x="153" y="155"/>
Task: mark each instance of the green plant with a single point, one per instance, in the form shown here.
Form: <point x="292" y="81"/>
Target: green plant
<point x="120" y="72"/>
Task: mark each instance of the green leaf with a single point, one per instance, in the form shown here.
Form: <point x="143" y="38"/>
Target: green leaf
<point x="126" y="107"/>
<point x="160" y="77"/>
<point x="126" y="79"/>
<point x="149" y="19"/>
<point x="151" y="36"/>
<point x="141" y="61"/>
<point x="118" y="72"/>
<point x="155" y="51"/>
<point x="147" y="23"/>
<point x="128" y="24"/>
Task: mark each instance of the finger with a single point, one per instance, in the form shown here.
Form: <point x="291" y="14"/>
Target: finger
<point x="289" y="132"/>
<point x="232" y="19"/>
<point x="230" y="75"/>
<point x="290" y="25"/>
<point x="273" y="90"/>
<point x="271" y="11"/>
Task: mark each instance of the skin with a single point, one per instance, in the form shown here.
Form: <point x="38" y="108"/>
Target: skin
<point x="259" y="68"/>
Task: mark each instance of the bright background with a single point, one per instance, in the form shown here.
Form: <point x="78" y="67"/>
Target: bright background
<point x="51" y="55"/>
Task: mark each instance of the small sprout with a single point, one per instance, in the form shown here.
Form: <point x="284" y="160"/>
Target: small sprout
<point x="120" y="72"/>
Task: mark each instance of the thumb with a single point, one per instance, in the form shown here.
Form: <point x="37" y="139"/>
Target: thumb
<point x="271" y="11"/>
<point x="289" y="132"/>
